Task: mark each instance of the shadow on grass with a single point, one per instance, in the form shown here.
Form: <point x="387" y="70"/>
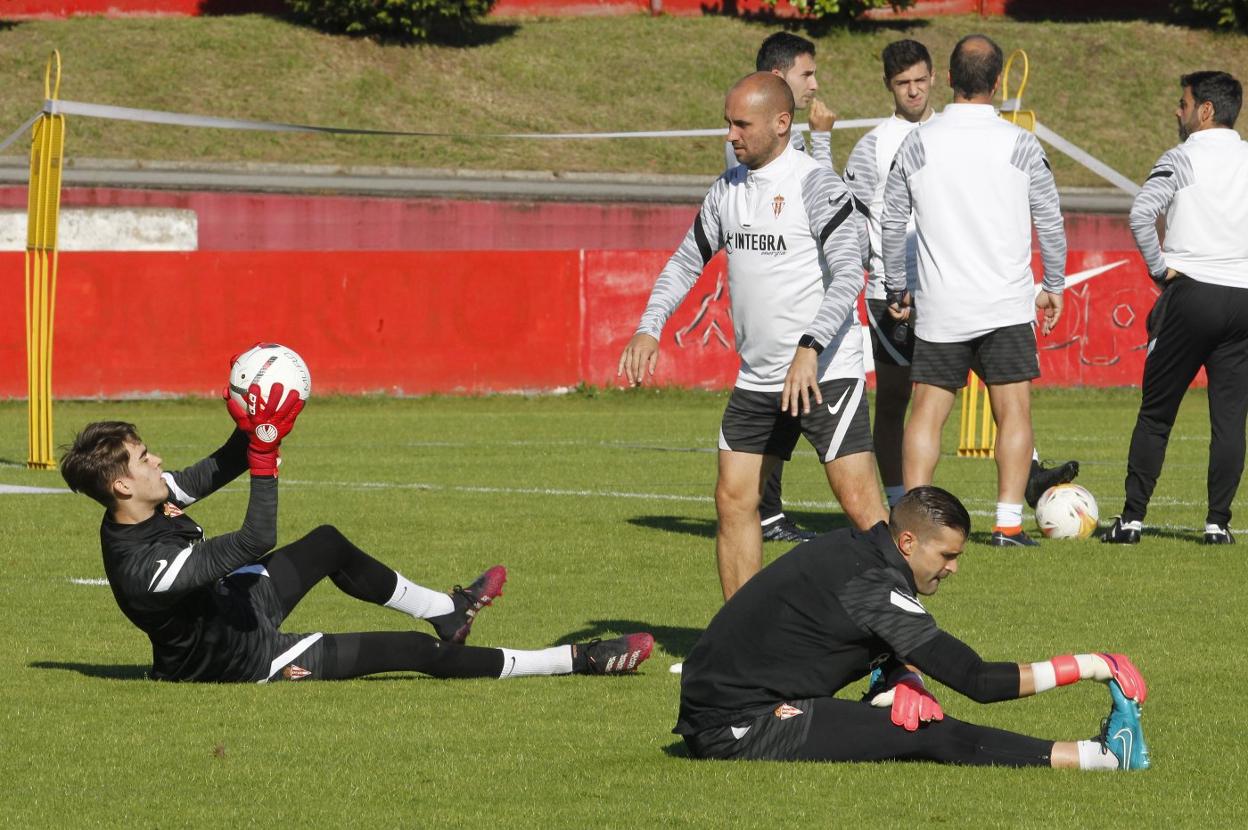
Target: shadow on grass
<point x="104" y="672"/>
<point x="677" y="524"/>
<point x="818" y="522"/>
<point x="1153" y="11"/>
<point x="677" y="749"/>
<point x="675" y="640"/>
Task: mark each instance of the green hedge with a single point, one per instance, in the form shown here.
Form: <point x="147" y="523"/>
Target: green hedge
<point x="841" y="9"/>
<point x="397" y="19"/>
<point x="1225" y="14"/>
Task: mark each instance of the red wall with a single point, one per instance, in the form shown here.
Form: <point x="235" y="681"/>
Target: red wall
<point x="278" y="222"/>
<point x="438" y="321"/>
<point x="923" y="8"/>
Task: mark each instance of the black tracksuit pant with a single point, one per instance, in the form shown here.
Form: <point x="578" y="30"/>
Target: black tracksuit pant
<point x="1193" y="324"/>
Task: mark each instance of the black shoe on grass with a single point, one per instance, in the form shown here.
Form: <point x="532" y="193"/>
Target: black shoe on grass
<point x="783" y="530"/>
<point x="1014" y="540"/>
<point x="623" y="654"/>
<point x="1218" y="535"/>
<point x="1123" y="533"/>
<point x="454" y="627"/>
<point x="1042" y="478"/>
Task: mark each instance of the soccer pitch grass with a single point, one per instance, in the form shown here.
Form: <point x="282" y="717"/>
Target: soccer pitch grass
<point x="599" y="505"/>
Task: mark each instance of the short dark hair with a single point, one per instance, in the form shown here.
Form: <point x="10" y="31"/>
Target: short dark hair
<point x="975" y="71"/>
<point x="1220" y="89"/>
<point x="97" y="458"/>
<point x="928" y="505"/>
<point x="900" y="55"/>
<point x="780" y="51"/>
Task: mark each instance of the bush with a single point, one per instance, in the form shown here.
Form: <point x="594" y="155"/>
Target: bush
<point x="843" y="9"/>
<point x="391" y="19"/>
<point x="1225" y="14"/>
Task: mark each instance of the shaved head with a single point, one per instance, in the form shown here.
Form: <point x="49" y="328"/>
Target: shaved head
<point x="759" y="112"/>
<point x="765" y="92"/>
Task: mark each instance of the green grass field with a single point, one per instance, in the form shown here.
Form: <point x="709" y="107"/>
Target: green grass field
<point x="599" y="506"/>
<point x="1110" y="87"/>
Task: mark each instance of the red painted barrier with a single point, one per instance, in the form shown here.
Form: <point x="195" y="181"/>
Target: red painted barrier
<point x="443" y="321"/>
<point x="17" y="9"/>
<point x="280" y="222"/>
<point x="141" y="324"/>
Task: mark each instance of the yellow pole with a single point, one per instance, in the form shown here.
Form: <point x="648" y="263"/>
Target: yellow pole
<point x="43" y="210"/>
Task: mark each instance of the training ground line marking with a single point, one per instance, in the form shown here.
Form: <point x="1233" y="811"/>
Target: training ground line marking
<point x="20" y="490"/>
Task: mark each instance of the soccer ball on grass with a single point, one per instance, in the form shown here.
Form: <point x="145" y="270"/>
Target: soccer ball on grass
<point x="1067" y="511"/>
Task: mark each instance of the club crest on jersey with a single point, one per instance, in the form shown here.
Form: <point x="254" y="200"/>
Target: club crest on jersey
<point x="172" y="510"/>
<point x="293" y="672"/>
<point x="777" y="205"/>
<point x="784" y="711"/>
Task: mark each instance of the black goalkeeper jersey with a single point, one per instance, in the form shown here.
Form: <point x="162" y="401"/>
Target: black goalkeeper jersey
<point x="816" y="619"/>
<point x="168" y="579"/>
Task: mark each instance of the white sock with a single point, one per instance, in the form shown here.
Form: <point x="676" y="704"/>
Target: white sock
<point x="1094" y="755"/>
<point x="556" y="660"/>
<point x="770" y="520"/>
<point x="1009" y="515"/>
<point x="421" y="603"/>
<point x="1035" y="455"/>
<point x="894" y="494"/>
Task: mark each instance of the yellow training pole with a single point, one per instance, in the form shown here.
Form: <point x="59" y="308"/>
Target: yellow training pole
<point x="977" y="430"/>
<point x="43" y="209"/>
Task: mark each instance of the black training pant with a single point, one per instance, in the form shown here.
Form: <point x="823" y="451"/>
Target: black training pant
<point x="1192" y="324"/>
<point x="293" y="571"/>
<point x="833" y="729"/>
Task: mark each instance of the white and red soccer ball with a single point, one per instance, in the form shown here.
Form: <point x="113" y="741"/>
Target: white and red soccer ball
<point x="1067" y="511"/>
<point x="264" y="365"/>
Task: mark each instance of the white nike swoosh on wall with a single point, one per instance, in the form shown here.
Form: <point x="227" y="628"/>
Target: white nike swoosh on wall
<point x="1083" y="276"/>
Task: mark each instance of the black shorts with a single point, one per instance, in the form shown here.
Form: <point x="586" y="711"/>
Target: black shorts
<point x="886" y="349"/>
<point x="839" y="426"/>
<point x="1006" y="355"/>
<point x="284" y="656"/>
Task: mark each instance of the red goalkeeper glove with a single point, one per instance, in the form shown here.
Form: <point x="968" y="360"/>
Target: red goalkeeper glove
<point x="1071" y="668"/>
<point x="266" y="422"/>
<point x="911" y="702"/>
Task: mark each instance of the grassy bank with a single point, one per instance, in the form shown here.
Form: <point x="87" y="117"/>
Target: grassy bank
<point x="1109" y="87"/>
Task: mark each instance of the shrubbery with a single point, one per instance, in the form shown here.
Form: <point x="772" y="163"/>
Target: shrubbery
<point x="397" y="19"/>
<point x="1225" y="14"/>
<point x="843" y="9"/>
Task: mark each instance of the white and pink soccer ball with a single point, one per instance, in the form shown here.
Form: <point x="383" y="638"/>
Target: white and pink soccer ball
<point x="1067" y="511"/>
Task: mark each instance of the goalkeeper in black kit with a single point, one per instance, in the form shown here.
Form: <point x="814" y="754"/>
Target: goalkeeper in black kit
<point x="213" y="608"/>
<point x="760" y="682"/>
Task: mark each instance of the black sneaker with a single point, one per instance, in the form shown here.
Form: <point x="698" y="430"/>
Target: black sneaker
<point x="1017" y="540"/>
<point x="1218" y="535"/>
<point x="1042" y="478"/>
<point x="783" y="530"/>
<point x="1123" y="533"/>
<point x="454" y="627"/>
<point x="622" y="654"/>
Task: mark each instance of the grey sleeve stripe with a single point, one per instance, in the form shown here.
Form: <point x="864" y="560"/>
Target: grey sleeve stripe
<point x="835" y="223"/>
<point x="910" y="159"/>
<point x="1171" y="173"/>
<point x="686" y="264"/>
<point x="821" y="148"/>
<point x="1046" y="212"/>
<point x="860" y="171"/>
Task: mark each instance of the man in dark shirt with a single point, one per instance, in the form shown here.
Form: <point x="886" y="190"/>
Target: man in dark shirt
<point x="213" y="608"/>
<point x="759" y="682"/>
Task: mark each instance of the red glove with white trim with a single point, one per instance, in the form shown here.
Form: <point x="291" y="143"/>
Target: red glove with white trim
<point x="1071" y="668"/>
<point x="266" y="422"/>
<point x="912" y="703"/>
